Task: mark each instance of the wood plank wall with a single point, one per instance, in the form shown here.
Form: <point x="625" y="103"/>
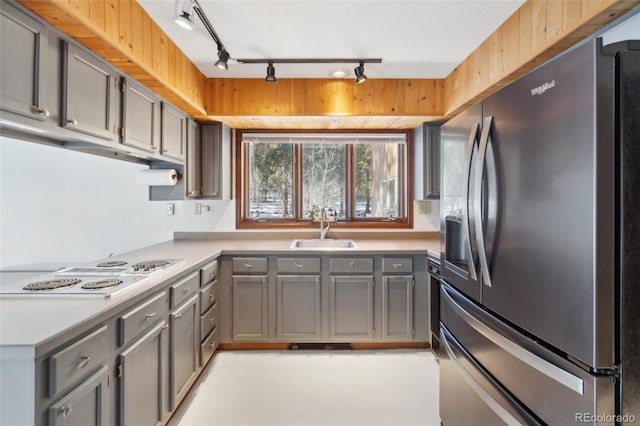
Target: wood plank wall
<point x="536" y="32"/>
<point x="123" y="33"/>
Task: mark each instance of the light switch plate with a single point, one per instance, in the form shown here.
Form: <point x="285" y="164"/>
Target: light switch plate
<point x="424" y="206"/>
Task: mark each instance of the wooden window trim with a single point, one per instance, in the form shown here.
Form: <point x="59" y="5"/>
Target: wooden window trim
<point x="406" y="190"/>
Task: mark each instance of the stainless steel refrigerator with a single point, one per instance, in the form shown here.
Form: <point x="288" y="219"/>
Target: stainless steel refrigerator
<point x="540" y="258"/>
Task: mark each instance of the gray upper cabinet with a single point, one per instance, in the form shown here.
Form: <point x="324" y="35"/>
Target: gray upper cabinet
<point x="86" y="405"/>
<point x="193" y="183"/>
<point x="397" y="307"/>
<point x="90" y="93"/>
<point x="298" y="307"/>
<point x="23" y="43"/>
<point x="249" y="307"/>
<point x="431" y="161"/>
<point x="143" y="379"/>
<point x="174" y="132"/>
<point x="140" y="116"/>
<point x="212" y="164"/>
<point x="351" y="308"/>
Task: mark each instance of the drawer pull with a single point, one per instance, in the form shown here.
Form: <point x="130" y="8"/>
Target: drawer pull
<point x="176" y="316"/>
<point x="165" y="327"/>
<point x="297" y="265"/>
<point x="188" y="289"/>
<point x="353" y="263"/>
<point x="397" y="265"/>
<point x="212" y="320"/>
<point x="72" y="121"/>
<point x="248" y="265"/>
<point x="211" y="296"/>
<point x="65" y="411"/>
<point x="85" y="360"/>
<point x="213" y="345"/>
<point x="149" y="316"/>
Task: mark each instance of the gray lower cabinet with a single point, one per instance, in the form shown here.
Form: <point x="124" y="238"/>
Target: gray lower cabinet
<point x="397" y="307"/>
<point x="351" y="307"/>
<point x="184" y="348"/>
<point x="23" y="43"/>
<point x="90" y="93"/>
<point x="143" y="377"/>
<point x="174" y="132"/>
<point x="249" y="307"/>
<point x="85" y="405"/>
<point x="140" y="113"/>
<point x="298" y="307"/>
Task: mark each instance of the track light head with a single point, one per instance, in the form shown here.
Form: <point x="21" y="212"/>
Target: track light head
<point x="271" y="73"/>
<point x="359" y="70"/>
<point x="183" y="14"/>
<point x="223" y="58"/>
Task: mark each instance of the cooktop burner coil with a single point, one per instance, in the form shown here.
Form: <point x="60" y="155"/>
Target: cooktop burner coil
<point x="96" y="285"/>
<point x="111" y="264"/>
<point x="52" y="284"/>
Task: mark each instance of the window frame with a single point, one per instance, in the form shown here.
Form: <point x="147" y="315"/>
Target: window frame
<point x="404" y="189"/>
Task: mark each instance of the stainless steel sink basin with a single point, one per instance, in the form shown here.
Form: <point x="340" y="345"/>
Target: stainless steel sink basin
<point x="326" y="243"/>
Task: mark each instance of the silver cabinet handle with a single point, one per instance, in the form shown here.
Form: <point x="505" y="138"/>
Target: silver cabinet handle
<point x="297" y="265"/>
<point x="192" y="193"/>
<point x="353" y="263"/>
<point x="42" y="111"/>
<point x="165" y="327"/>
<point x="85" y="360"/>
<point x="177" y="316"/>
<point x="72" y="121"/>
<point x="149" y="316"/>
<point x="213" y="345"/>
<point x="188" y="289"/>
<point x="248" y="265"/>
<point x="397" y="265"/>
<point x="66" y="411"/>
<point x="211" y="297"/>
<point x="212" y="320"/>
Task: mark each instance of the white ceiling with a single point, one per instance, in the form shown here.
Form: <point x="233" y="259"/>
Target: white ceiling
<point x="414" y="38"/>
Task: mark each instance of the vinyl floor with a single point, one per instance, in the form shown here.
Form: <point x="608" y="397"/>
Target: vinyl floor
<point x="338" y="388"/>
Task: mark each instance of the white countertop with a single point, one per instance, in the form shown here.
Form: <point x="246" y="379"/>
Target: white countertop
<point x="29" y="321"/>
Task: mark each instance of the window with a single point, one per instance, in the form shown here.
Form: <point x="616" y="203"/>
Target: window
<point x="359" y="179"/>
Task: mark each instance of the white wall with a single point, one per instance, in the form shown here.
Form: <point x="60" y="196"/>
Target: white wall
<point x="59" y="205"/>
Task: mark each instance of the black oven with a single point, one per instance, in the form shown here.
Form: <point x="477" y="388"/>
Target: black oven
<point x="433" y="269"/>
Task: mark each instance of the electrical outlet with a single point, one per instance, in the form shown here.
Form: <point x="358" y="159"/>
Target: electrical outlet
<point x="424" y="206"/>
<point x="198" y="209"/>
<point x="169" y="208"/>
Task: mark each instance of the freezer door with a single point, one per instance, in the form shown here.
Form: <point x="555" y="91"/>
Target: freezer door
<point x="553" y="389"/>
<point x="469" y="396"/>
<point x="548" y="204"/>
<point x="459" y="139"/>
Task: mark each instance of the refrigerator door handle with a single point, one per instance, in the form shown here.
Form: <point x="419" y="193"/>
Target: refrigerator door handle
<point x="488" y="216"/>
<point x="477" y="387"/>
<point x="561" y="376"/>
<point x="473" y="138"/>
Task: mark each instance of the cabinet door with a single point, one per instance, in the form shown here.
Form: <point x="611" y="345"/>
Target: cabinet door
<point x="174" y="132"/>
<point x="23" y="41"/>
<point x="211" y="162"/>
<point x="140" y="116"/>
<point x="89" y="94"/>
<point x="143" y="379"/>
<point x="397" y="307"/>
<point x="249" y="307"/>
<point x="298" y="307"/>
<point x="351" y="307"/>
<point x="184" y="348"/>
<point x="193" y="160"/>
<point x="431" y="161"/>
<point x="86" y="405"/>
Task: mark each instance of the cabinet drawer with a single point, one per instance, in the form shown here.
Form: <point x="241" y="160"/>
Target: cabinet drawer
<point x="209" y="273"/>
<point x="299" y="265"/>
<point x="184" y="288"/>
<point x="250" y="264"/>
<point x="77" y="360"/>
<point x="208" y="296"/>
<point x="392" y="265"/>
<point x="141" y="318"/>
<point x="208" y="320"/>
<point x="209" y="346"/>
<point x="351" y="265"/>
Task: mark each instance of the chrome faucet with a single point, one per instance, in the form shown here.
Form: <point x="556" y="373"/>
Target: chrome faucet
<point x="323" y="218"/>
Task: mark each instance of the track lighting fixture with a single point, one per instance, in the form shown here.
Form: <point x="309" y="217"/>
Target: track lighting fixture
<point x="183" y="14"/>
<point x="223" y="58"/>
<point x="359" y="70"/>
<point x="271" y="73"/>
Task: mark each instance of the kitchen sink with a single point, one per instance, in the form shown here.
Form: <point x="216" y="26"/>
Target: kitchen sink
<point x="323" y="243"/>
